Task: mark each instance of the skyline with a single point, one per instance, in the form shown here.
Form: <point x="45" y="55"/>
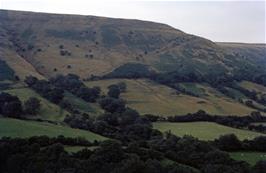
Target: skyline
<point x="219" y="21"/>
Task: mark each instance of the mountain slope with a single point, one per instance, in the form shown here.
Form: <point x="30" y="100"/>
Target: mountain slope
<point x="50" y="44"/>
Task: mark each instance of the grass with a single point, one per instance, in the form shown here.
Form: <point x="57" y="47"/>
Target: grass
<point x="224" y="105"/>
<point x="203" y="130"/>
<point x="192" y="88"/>
<point x="21" y="128"/>
<point x="148" y="97"/>
<point x="259" y="89"/>
<point x="21" y="67"/>
<point x="49" y="111"/>
<point x="74" y="149"/>
<point x="264" y="123"/>
<point x="83" y="106"/>
<point x="253" y="86"/>
<point x="77" y="30"/>
<point x="250" y="157"/>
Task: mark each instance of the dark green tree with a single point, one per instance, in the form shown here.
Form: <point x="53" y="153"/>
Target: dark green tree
<point x="32" y="106"/>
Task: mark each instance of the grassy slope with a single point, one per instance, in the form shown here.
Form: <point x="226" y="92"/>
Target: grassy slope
<point x="21" y="67"/>
<point x="250" y="157"/>
<point x="260" y="89"/>
<point x="49" y="111"/>
<point x="221" y="103"/>
<point x="112" y="42"/>
<point x="19" y="128"/>
<point x="149" y="97"/>
<point x="253" y="86"/>
<point x="83" y="106"/>
<point x="203" y="130"/>
<point x="84" y="31"/>
<point x="264" y="124"/>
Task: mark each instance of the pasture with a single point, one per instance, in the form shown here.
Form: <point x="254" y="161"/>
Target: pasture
<point x="250" y="157"/>
<point x="49" y="111"/>
<point x="149" y="97"/>
<point x="19" y="128"/>
<point x="203" y="130"/>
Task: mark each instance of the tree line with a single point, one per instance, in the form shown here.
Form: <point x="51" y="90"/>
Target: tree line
<point x="170" y="154"/>
<point x="12" y="106"/>
<point x="243" y="122"/>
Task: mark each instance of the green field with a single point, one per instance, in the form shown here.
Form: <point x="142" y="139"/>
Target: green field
<point x="149" y="97"/>
<point x="49" y="111"/>
<point x="250" y="157"/>
<point x="203" y="130"/>
<point x="20" y="128"/>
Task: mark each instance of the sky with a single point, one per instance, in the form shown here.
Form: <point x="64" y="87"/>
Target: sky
<point x="222" y="21"/>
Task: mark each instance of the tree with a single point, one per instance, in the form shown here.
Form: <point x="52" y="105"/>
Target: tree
<point x="32" y="106"/>
<point x="45" y="89"/>
<point x="10" y="105"/>
<point x="228" y="142"/>
<point x="88" y="94"/>
<point x="259" y="143"/>
<point x="249" y="103"/>
<point x="129" y="117"/>
<point x="112" y="105"/>
<point x="114" y="91"/>
<point x="122" y="86"/>
<point x="12" y="109"/>
<point x="55" y="95"/>
<point x="260" y="167"/>
<point x="110" y="151"/>
<point x="30" y="80"/>
<point x="15" y="163"/>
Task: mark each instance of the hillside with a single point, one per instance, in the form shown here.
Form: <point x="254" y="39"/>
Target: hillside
<point x="148" y="97"/>
<point x="202" y="130"/>
<point x="49" y="44"/>
<point x="49" y="111"/>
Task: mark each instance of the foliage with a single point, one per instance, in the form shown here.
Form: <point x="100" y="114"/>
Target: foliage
<point x="32" y="106"/>
<point x="10" y="106"/>
<point x="73" y="84"/>
<point x="112" y="104"/>
<point x="45" y="89"/>
<point x="232" y="121"/>
<point x="114" y="91"/>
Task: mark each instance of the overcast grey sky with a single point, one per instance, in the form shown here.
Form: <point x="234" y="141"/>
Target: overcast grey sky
<point x="227" y="21"/>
